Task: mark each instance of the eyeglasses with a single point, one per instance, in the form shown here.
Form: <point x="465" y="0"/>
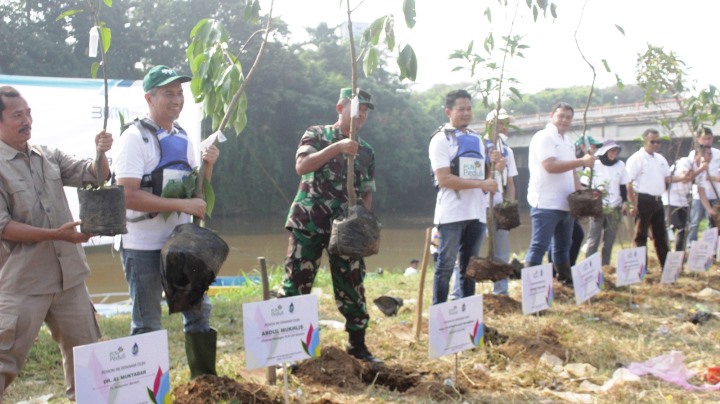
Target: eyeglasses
<point x="654" y="142"/>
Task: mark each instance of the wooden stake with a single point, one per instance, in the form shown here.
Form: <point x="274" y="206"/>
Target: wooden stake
<point x="423" y="270"/>
<point x="270" y="370"/>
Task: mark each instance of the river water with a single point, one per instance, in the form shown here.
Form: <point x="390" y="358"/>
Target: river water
<point x="402" y="239"/>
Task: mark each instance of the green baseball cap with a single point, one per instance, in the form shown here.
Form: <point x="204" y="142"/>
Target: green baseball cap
<point x="161" y="75"/>
<point x="363" y="96"/>
<point x="590" y="139"/>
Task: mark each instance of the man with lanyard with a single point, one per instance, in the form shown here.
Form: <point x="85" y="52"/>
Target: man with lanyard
<point x="552" y="164"/>
<point x="322" y="197"/>
<point x="707" y="161"/>
<point x="648" y="175"/>
<point x="151" y="152"/>
<point x="676" y="199"/>
<point x="506" y="183"/>
<point x="458" y="160"/>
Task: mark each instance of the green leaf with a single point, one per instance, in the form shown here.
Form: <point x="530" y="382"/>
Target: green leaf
<point x="370" y="61"/>
<point x="390" y="33"/>
<point x="407" y="61"/>
<point x="535" y="12"/>
<point x="375" y="29"/>
<point x="488" y="14"/>
<point x="106" y="38"/>
<point x="619" y="82"/>
<point x="197" y="26"/>
<point x="68" y="14"/>
<point x="94" y="69"/>
<point x="607" y="66"/>
<point x="619" y="28"/>
<point x="553" y="10"/>
<point x="108" y="3"/>
<point x="252" y="12"/>
<point x="209" y="197"/>
<point x="409" y="12"/>
<point x="516" y="92"/>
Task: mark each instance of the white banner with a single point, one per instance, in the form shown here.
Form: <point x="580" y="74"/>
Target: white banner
<point x="673" y="266"/>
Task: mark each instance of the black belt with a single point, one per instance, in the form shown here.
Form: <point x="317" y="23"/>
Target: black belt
<point x="648" y="196"/>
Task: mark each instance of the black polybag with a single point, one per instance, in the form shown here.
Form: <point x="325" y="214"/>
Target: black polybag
<point x="190" y="260"/>
<point x="357" y="235"/>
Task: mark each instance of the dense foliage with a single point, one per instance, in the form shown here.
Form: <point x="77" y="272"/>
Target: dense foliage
<point x="297" y="86"/>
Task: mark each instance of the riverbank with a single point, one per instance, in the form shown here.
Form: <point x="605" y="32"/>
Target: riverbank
<point x="616" y="328"/>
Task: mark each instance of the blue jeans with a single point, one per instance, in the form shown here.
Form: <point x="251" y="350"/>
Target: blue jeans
<point x="697" y="214"/>
<point x="142" y="273"/>
<point x="463" y="238"/>
<point x="547" y="225"/>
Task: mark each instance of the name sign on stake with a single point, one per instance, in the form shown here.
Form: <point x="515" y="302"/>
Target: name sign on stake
<point x="700" y="257"/>
<point x="631" y="266"/>
<point x="281" y="331"/>
<point x="587" y="278"/>
<point x="537" y="288"/>
<point x="455" y="326"/>
<point x="132" y="369"/>
<point x="673" y="266"/>
<point x="711" y="237"/>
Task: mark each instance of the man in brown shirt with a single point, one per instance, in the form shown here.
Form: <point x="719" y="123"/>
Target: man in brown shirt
<point x="42" y="264"/>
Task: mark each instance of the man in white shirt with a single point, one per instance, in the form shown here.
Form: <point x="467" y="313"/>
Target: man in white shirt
<point x="458" y="158"/>
<point x="707" y="159"/>
<point x="676" y="199"/>
<point x="552" y="164"/>
<point x="649" y="174"/>
<point x="507" y="187"/>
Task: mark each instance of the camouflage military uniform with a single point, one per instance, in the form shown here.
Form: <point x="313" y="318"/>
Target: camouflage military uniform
<point x="322" y="197"/>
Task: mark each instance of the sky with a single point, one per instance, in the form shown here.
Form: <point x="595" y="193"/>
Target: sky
<point x="689" y="28"/>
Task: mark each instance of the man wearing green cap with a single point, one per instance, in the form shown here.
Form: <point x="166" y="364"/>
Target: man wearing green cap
<point x="322" y="197"/>
<point x="151" y="152"/>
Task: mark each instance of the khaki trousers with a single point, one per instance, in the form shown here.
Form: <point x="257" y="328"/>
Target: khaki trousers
<point x="70" y="317"/>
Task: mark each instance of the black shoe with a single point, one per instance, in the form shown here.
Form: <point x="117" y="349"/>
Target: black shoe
<point x="362" y="353"/>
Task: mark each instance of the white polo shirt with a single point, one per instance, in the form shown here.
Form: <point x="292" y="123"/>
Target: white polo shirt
<point x="609" y="178"/>
<point x="678" y="190"/>
<point x="550" y="190"/>
<point x="455" y="205"/>
<point x="647" y="172"/>
<point x="509" y="171"/>
<point x="713" y="169"/>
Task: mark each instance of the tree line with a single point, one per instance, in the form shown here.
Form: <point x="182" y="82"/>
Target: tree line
<point x="297" y="86"/>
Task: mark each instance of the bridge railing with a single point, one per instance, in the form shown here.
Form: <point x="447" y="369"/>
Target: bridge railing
<point x="606" y="112"/>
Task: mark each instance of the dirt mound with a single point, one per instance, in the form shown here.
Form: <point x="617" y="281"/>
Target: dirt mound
<point x="208" y="389"/>
<point x="531" y="347"/>
<point x="334" y="367"/>
<point x="437" y="391"/>
<point x="500" y="305"/>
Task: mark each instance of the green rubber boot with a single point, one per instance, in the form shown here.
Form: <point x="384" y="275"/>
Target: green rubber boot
<point x="201" y="349"/>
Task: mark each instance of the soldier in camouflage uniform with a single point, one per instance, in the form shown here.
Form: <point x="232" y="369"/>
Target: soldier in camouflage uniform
<point x="322" y="197"/>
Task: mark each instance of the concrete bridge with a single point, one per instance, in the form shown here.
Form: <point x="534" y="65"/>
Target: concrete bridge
<point x="623" y="123"/>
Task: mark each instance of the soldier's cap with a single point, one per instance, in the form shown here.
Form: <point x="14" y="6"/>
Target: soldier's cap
<point x="161" y="75"/>
<point x="590" y="139"/>
<point x="363" y="96"/>
<point x="503" y="115"/>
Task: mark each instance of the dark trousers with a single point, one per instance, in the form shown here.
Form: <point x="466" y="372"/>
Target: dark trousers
<point x="678" y="220"/>
<point x="578" y="235"/>
<point x="651" y="215"/>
